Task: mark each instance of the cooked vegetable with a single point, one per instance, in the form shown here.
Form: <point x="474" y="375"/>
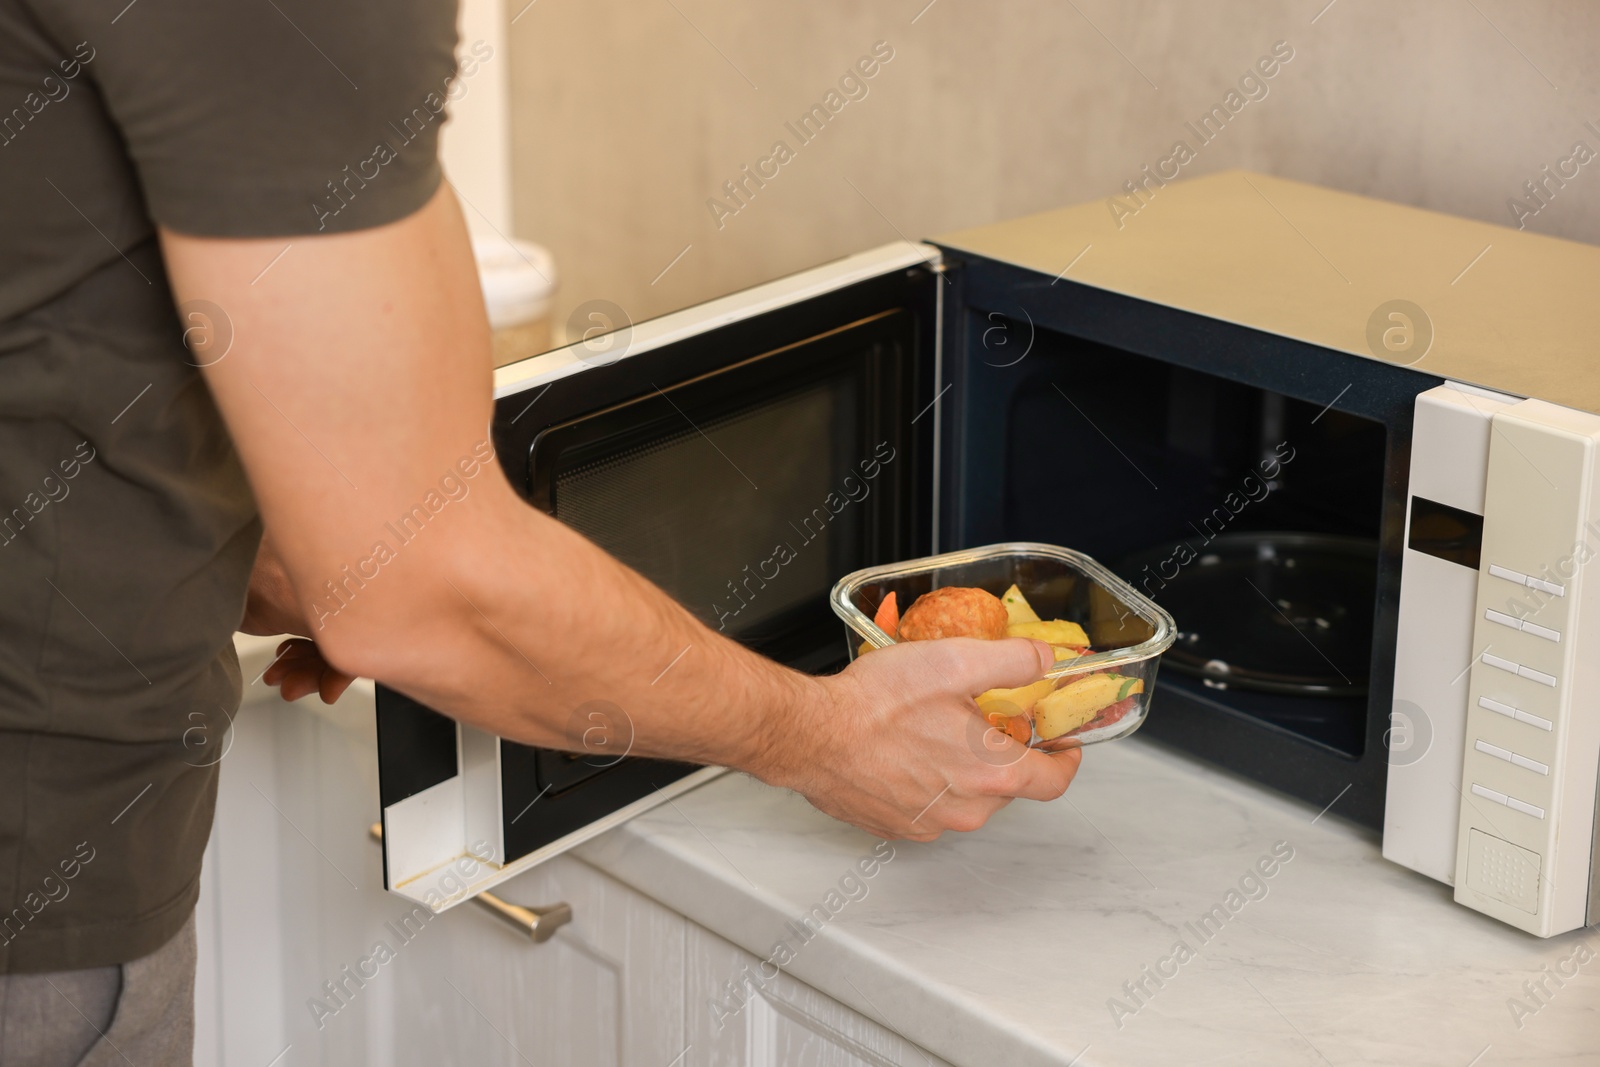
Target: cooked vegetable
<point x="1017" y="607"/>
<point x="1031" y="714"/>
<point x="954" y="611"/>
<point x="1014" y="701"/>
<point x="1054" y="632"/>
<point x="888" y="616"/>
<point x="1007" y="709"/>
<point x="1079" y="702"/>
<point x="1107" y="716"/>
<point x="1017" y="727"/>
<point x="1115" y="713"/>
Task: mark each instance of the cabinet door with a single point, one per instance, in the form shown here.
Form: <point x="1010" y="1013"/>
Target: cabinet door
<point x="735" y="1018"/>
<point x="293" y="912"/>
<point x="605" y="991"/>
<point x="292" y="889"/>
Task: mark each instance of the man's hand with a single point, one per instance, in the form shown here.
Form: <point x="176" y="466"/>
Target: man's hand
<point x="900" y="749"/>
<point x="299" y="670"/>
<point x="271" y="607"/>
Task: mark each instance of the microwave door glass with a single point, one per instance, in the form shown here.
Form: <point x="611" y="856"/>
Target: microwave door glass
<point x="742" y="543"/>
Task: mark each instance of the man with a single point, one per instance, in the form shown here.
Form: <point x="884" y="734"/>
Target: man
<point x="262" y="177"/>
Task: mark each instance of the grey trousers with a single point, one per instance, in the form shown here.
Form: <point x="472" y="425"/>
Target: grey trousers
<point x="139" y="1013"/>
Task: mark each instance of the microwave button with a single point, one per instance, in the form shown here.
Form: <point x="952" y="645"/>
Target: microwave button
<point x="1510" y="757"/>
<point x="1494" y="705"/>
<point x="1489" y="794"/>
<point x="1534" y="720"/>
<point x="1536" y="676"/>
<point x="1508" y="574"/>
<point x="1553" y="588"/>
<point x="1539" y="631"/>
<point x="1529" y="764"/>
<point x="1521" y="624"/>
<point x="1510" y="712"/>
<point x="1493" y="750"/>
<point x="1523" y="806"/>
<point x="1503" y="664"/>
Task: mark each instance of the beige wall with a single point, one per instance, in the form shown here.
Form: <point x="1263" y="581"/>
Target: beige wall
<point x="625" y="119"/>
<point x="474" y="148"/>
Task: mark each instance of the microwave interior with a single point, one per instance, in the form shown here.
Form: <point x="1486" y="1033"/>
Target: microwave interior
<point x="1252" y="516"/>
<point x="1253" y="485"/>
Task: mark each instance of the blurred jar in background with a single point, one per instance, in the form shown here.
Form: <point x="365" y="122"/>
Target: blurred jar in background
<point x="518" y="279"/>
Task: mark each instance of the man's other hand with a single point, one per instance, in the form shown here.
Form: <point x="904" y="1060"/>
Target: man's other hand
<point x="300" y="671"/>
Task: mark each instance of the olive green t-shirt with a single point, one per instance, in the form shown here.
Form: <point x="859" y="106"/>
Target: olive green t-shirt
<point x="127" y="529"/>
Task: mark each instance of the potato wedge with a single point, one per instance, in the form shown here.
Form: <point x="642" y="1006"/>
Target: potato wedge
<point x="1064" y="653"/>
<point x="1054" y="632"/>
<point x="1079" y="701"/>
<point x="1017" y="607"/>
<point x="1013" y="701"/>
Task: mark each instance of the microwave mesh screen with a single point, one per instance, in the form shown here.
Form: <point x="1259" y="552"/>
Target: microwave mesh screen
<point x="729" y="515"/>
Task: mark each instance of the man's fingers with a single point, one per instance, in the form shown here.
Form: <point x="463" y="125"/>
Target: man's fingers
<point x="297" y="683"/>
<point x="974" y="666"/>
<point x="300" y="671"/>
<point x="1044" y="776"/>
<point x="289" y="666"/>
<point x="333" y="684"/>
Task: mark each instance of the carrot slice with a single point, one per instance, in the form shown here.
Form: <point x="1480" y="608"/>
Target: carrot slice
<point x="888" y="617"/>
<point x="1018" y="727"/>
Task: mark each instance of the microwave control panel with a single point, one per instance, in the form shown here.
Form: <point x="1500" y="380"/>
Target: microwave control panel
<point x="1525" y="844"/>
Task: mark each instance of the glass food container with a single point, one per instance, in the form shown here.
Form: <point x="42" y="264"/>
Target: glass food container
<point x="1092" y="694"/>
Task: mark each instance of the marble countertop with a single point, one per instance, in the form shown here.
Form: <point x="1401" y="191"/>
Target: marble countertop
<point x="1052" y="936"/>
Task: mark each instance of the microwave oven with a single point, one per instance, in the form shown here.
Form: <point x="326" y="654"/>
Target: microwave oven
<point x="1349" y="445"/>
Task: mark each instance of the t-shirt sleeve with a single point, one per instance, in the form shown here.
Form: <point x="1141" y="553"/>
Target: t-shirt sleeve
<point x="272" y="117"/>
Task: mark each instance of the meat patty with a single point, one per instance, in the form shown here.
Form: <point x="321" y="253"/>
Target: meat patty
<point x="954" y="611"/>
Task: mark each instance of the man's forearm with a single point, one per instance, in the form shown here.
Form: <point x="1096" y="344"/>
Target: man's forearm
<point x="534" y="633"/>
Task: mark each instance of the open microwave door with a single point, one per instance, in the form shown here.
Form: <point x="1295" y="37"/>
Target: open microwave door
<point x="743" y="454"/>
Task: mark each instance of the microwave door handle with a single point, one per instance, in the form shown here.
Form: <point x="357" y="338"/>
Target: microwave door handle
<point x="537" y="924"/>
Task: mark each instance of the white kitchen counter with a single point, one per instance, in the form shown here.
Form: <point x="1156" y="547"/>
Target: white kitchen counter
<point x="1007" y="946"/>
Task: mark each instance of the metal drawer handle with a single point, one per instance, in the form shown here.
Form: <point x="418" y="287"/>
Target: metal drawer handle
<point x="539" y="924"/>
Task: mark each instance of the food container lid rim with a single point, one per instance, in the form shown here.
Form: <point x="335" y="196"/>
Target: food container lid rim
<point x="1165" y="634"/>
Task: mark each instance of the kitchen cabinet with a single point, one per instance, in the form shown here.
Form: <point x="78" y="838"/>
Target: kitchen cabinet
<point x="291" y="890"/>
<point x="775" y="1023"/>
<point x="606" y="991"/>
<point x="292" y="912"/>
